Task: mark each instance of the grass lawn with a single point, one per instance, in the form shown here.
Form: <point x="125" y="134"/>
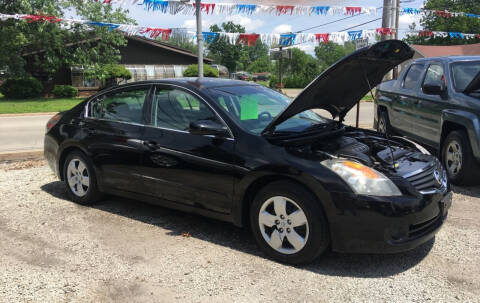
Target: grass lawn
<point x="39" y="105"/>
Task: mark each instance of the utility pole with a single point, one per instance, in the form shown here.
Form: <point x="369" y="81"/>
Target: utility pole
<point x="198" y="11"/>
<point x="280" y="72"/>
<point x="386" y="16"/>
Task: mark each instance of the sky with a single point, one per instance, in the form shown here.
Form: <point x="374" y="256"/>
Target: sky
<point x="263" y="23"/>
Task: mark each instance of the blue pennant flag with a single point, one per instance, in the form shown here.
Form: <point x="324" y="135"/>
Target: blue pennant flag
<point x="456" y="35"/>
<point x="110" y="26"/>
<point x="209" y="37"/>
<point x="354" y="35"/>
<point x="319" y="10"/>
<point x="156" y="5"/>
<point x="287" y="39"/>
<point x="246" y="8"/>
<point x="411" y="11"/>
<point x="472" y="15"/>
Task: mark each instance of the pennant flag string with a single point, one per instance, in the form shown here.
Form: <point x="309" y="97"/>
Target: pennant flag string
<point x="285" y="40"/>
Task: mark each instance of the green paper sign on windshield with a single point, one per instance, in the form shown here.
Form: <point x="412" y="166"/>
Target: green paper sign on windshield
<point x="249" y="108"/>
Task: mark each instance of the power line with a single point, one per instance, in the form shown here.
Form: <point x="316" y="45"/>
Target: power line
<point x="331" y="22"/>
<point x="373" y="20"/>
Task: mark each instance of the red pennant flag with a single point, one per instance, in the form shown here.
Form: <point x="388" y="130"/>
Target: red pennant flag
<point x="384" y="31"/>
<point x="156" y="32"/>
<point x="206" y="7"/>
<point x="249" y="39"/>
<point x="443" y="14"/>
<point x="41" y="18"/>
<point x="285" y="9"/>
<point x="425" y="33"/>
<point x="322" y="37"/>
<point x="352" y="10"/>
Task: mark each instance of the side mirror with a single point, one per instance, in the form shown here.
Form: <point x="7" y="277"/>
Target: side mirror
<point x="434" y="88"/>
<point x="207" y="127"/>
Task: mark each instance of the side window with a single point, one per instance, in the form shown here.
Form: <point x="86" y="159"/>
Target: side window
<point x="434" y="74"/>
<point x="412" y="77"/>
<point x="176" y="109"/>
<point x="123" y="106"/>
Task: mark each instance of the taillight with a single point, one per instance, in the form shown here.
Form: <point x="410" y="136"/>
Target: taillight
<point x="51" y="123"/>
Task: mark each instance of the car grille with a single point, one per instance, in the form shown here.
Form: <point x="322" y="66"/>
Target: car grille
<point x="419" y="229"/>
<point x="432" y="179"/>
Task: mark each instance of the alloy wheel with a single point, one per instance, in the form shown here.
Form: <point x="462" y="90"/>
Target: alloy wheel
<point x="78" y="177"/>
<point x="283" y="225"/>
<point x="453" y="158"/>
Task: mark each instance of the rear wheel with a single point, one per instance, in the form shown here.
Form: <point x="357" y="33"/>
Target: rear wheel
<point x="383" y="125"/>
<point x="80" y="179"/>
<point x="288" y="223"/>
<point x="458" y="159"/>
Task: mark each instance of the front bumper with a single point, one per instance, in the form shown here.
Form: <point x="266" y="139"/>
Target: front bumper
<point x="388" y="224"/>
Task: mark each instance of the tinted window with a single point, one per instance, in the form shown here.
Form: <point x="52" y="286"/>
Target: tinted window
<point x="463" y="73"/>
<point x="123" y="106"/>
<point x="434" y="74"/>
<point x="413" y="75"/>
<point x="254" y="107"/>
<point x="176" y="109"/>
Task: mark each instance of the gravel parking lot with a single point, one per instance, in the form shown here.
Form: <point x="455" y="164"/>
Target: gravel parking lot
<point x="52" y="250"/>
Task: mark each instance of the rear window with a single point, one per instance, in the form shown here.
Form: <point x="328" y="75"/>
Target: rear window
<point x="463" y="73"/>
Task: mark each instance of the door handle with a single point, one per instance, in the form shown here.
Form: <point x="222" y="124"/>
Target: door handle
<point x="150" y="144"/>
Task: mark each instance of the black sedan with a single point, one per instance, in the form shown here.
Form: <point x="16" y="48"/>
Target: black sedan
<point x="243" y="153"/>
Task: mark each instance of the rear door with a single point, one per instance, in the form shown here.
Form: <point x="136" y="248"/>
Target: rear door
<point x="404" y="106"/>
<point x="113" y="128"/>
<point x="429" y="109"/>
<point x="178" y="166"/>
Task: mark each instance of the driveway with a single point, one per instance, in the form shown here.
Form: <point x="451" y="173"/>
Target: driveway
<point x="25" y="132"/>
<point x="120" y="250"/>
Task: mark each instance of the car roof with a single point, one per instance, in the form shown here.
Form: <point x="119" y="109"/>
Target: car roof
<point x="189" y="82"/>
<point x="449" y="59"/>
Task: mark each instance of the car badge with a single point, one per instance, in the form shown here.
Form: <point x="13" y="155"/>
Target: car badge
<point x="438" y="177"/>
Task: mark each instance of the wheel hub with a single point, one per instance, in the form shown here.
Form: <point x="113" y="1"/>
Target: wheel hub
<point x="283" y="225"/>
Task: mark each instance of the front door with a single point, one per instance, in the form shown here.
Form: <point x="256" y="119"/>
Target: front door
<point x="113" y="130"/>
<point x="431" y="106"/>
<point x="190" y="169"/>
<point x="405" y="106"/>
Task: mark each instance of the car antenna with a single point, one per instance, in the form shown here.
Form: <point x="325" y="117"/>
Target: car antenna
<point x="386" y="134"/>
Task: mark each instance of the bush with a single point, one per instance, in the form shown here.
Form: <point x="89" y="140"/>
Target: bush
<point x="65" y="91"/>
<point x="21" y="88"/>
<point x="208" y="71"/>
<point x="117" y="71"/>
<point x="294" y="81"/>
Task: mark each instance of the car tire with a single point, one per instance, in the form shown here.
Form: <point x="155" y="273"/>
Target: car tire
<point x="457" y="157"/>
<point x="288" y="223"/>
<point x="80" y="179"/>
<point x="383" y="124"/>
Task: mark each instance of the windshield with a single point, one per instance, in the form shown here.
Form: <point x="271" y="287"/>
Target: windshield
<point x="254" y="107"/>
<point x="463" y="73"/>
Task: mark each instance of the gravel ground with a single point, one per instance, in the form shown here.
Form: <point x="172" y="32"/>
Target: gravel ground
<point x="53" y="250"/>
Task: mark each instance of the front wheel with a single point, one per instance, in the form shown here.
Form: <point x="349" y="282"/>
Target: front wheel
<point x="288" y="223"/>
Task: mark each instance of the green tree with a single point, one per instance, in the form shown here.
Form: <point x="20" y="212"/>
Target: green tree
<point x="98" y="47"/>
<point x="460" y="24"/>
<point x="222" y="51"/>
<point x="262" y="64"/>
<point x="298" y="71"/>
<point x="330" y="52"/>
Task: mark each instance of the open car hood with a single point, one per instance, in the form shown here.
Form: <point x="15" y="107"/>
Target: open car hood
<point x="348" y="80"/>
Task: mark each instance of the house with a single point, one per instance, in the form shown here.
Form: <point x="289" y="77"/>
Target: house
<point x="145" y="58"/>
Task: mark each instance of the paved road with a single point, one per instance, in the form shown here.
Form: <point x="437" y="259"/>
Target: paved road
<point x="25" y="133"/>
<point x="22" y="133"/>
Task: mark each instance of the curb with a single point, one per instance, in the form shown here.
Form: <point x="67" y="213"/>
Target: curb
<point x="28" y="114"/>
<point x="22" y="155"/>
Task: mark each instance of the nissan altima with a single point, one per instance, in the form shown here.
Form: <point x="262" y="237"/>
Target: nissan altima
<point x="243" y="153"/>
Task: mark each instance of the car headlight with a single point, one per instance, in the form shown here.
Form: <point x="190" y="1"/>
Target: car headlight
<point x="362" y="179"/>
